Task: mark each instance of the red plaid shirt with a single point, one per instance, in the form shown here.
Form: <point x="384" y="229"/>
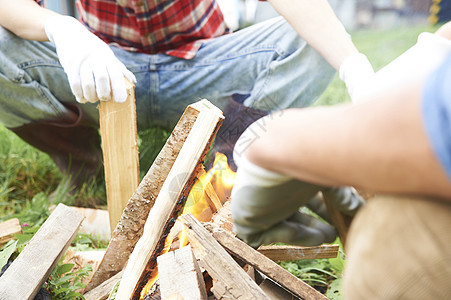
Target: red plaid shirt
<point x="173" y="27"/>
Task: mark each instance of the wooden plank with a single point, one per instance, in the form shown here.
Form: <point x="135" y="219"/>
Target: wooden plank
<point x="120" y="152"/>
<point x="8" y="228"/>
<point x="180" y="274"/>
<point x="231" y="278"/>
<point x="27" y="273"/>
<point x="177" y="185"/>
<point x="131" y="224"/>
<point x="103" y="290"/>
<point x="280" y="253"/>
<point x="263" y="264"/>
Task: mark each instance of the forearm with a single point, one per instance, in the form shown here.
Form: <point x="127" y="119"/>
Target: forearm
<point x="376" y="145"/>
<point x="25" y="18"/>
<point x="317" y="24"/>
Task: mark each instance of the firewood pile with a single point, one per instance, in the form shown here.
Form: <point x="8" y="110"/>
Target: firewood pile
<point x="167" y="246"/>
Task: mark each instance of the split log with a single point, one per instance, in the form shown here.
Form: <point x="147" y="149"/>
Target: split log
<point x="263" y="264"/>
<point x="130" y="227"/>
<point x="180" y="274"/>
<point x="103" y="290"/>
<point x="27" y="273"/>
<point x="231" y="280"/>
<point x="280" y="253"/>
<point x="8" y="228"/>
<point x="120" y="152"/>
<point x="170" y="199"/>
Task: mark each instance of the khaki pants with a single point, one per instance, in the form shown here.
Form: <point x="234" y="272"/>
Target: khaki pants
<point x="399" y="248"/>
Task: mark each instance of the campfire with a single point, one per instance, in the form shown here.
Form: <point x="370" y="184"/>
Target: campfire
<point x="202" y="203"/>
<point x="174" y="239"/>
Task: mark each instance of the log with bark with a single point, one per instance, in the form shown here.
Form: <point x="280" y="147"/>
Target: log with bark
<point x="170" y="200"/>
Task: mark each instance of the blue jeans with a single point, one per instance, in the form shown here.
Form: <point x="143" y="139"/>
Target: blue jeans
<point x="268" y="64"/>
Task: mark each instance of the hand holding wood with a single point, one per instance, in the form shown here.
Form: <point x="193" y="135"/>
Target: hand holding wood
<point x="93" y="70"/>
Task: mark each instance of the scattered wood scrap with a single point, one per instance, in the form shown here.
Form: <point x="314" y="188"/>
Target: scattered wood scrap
<point x="8" y="228"/>
<point x="263" y="264"/>
<point x="96" y="222"/>
<point x="27" y="273"/>
<point x="280" y="253"/>
<point x="179" y="274"/>
<point x="230" y="279"/>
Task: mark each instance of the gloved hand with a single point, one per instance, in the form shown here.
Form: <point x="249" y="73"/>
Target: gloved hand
<point x="356" y="72"/>
<point x="93" y="71"/>
<point x="265" y="205"/>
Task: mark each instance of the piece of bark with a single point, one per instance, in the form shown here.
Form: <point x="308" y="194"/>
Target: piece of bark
<point x="263" y="264"/>
<point x="280" y="253"/>
<point x="180" y="274"/>
<point x="103" y="290"/>
<point x="120" y="152"/>
<point x="8" y="228"/>
<point x="175" y="188"/>
<point x="27" y="273"/>
<point x="230" y="279"/>
<point x="130" y="227"/>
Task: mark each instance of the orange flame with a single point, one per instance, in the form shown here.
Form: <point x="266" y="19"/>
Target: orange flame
<point x="220" y="179"/>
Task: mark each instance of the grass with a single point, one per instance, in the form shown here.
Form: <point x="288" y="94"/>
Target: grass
<point x="381" y="47"/>
<point x="28" y="177"/>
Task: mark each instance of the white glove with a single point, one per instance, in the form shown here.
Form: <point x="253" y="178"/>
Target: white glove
<point x="356" y="72"/>
<point x="93" y="70"/>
